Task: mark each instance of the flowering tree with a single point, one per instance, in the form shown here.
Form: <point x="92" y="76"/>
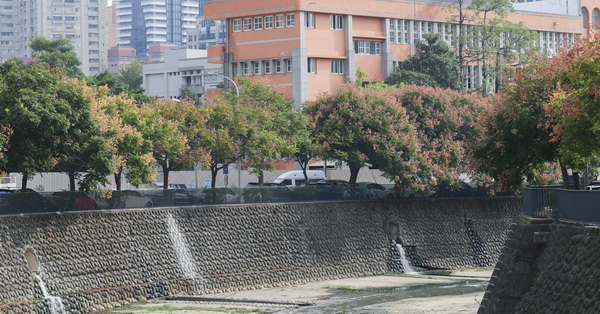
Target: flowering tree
<point x="445" y="121"/>
<point x="574" y="108"/>
<point x="117" y="117"/>
<point x="360" y="125"/>
<point x="171" y="127"/>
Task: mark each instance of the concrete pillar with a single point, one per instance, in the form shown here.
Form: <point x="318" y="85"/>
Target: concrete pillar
<point x="350" y="49"/>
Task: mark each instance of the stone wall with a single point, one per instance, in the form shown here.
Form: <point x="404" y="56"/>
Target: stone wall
<point x="94" y="260"/>
<point x="557" y="275"/>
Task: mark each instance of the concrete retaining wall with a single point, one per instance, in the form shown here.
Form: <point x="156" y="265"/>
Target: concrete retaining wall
<point x="101" y="259"/>
<point x="557" y="276"/>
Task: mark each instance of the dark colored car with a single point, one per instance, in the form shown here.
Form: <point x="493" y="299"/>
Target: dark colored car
<point x="267" y="192"/>
<point x="462" y="190"/>
<point x="176" y="197"/>
<point x="13" y="201"/>
<point x="126" y="199"/>
<point x="332" y="190"/>
<point x="65" y="200"/>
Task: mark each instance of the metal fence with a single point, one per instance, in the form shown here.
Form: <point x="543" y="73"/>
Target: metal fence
<point x="558" y="203"/>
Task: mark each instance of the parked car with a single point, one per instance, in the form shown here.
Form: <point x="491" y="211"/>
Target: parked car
<point x="66" y="200"/>
<point x="126" y="199"/>
<point x="267" y="192"/>
<point x="176" y="197"/>
<point x="221" y="195"/>
<point x="592" y="188"/>
<point x="332" y="190"/>
<point x="369" y="190"/>
<point x="462" y="190"/>
<point x="15" y="201"/>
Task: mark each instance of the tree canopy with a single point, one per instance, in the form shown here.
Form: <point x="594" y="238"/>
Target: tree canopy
<point x="434" y="64"/>
<point x="56" y="53"/>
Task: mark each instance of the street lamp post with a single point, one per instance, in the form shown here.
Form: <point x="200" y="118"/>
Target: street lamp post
<point x="239" y="162"/>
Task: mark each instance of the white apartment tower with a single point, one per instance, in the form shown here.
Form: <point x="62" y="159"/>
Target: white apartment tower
<point x="141" y="23"/>
<point x="83" y="21"/>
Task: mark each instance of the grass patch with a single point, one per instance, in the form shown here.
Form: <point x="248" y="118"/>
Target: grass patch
<point x="348" y="290"/>
<point x="169" y="308"/>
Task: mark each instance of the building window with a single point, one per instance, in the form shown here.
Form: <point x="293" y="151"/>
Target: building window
<point x="237" y="25"/>
<point x="245" y="68"/>
<point x="268" y="67"/>
<point x="595" y="18"/>
<point x="338" y="66"/>
<point x="586" y="17"/>
<point x="269" y="22"/>
<point x="312" y="65"/>
<point x="234" y="69"/>
<point x="309" y="20"/>
<point x="337" y="21"/>
<point x="258" y="23"/>
<point x="247" y="24"/>
<point x="279" y="21"/>
<point x="256" y="66"/>
<point x="278" y="66"/>
<point x="288" y="65"/>
<point x="367" y="47"/>
<point x="290" y="20"/>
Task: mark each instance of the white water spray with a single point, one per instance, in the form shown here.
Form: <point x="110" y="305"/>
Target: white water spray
<point x="56" y="303"/>
<point x="408" y="269"/>
<point x="185" y="258"/>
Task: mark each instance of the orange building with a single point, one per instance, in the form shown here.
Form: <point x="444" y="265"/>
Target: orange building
<point x="307" y="47"/>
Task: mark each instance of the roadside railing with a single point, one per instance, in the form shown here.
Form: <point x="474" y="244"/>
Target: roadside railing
<point x="15" y="201"/>
<point x="563" y="204"/>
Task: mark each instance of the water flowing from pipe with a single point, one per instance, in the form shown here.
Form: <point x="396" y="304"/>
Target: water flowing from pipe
<point x="185" y="258"/>
<point x="56" y="303"/>
<point x="408" y="269"/>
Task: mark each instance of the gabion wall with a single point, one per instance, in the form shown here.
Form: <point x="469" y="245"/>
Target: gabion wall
<point x="94" y="260"/>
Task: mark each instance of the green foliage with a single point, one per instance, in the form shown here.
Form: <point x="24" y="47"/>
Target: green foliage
<point x="114" y="84"/>
<point x="357" y="126"/>
<point x="131" y="75"/>
<point x="83" y="153"/>
<point x="38" y="115"/>
<point x="434" y="65"/>
<point x="186" y="92"/>
<point x="56" y="54"/>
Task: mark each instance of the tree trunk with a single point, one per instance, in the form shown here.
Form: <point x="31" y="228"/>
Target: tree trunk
<point x="565" y="175"/>
<point x="213" y="176"/>
<point x="576" y="180"/>
<point x="118" y="180"/>
<point x="261" y="178"/>
<point x="72" y="186"/>
<point x="24" y="180"/>
<point x="165" y="168"/>
<point x="353" y="175"/>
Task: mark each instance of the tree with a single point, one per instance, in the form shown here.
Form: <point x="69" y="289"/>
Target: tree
<point x="494" y="39"/>
<point x="446" y="127"/>
<point x="131" y="75"/>
<point x="574" y="107"/>
<point x="172" y="128"/>
<point x="186" y="92"/>
<point x="459" y="16"/>
<point x="516" y="142"/>
<point x="119" y="121"/>
<point x="56" y="54"/>
<point x="274" y="124"/>
<point x="5" y="134"/>
<point x="434" y="65"/>
<point x="114" y="84"/>
<point x="38" y="116"/>
<point x="83" y="153"/>
<point x="360" y="125"/>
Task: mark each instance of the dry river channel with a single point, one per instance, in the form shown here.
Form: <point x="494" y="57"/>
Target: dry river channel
<point x="458" y="291"/>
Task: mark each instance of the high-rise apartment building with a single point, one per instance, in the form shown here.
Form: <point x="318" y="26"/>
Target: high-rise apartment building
<point x="84" y="22"/>
<point x="141" y="23"/>
<point x="306" y="47"/>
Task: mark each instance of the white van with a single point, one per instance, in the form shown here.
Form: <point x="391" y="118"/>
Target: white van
<point x="296" y="177"/>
